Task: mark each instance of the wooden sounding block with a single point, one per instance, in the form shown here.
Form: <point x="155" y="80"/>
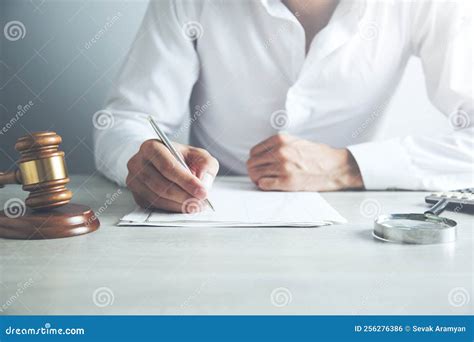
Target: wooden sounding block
<point x="65" y="221"/>
<point x="42" y="172"/>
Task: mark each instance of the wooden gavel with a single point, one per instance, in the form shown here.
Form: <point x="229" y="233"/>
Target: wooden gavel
<point x="41" y="170"/>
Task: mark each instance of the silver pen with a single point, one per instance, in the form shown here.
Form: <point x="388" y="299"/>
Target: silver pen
<point x="164" y="139"/>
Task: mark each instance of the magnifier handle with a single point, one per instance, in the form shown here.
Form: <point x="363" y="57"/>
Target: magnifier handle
<point x="438" y="207"/>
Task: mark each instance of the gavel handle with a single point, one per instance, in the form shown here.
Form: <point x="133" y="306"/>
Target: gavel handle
<point x="12" y="177"/>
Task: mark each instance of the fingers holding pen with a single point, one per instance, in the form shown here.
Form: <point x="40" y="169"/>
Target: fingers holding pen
<point x="166" y="165"/>
<point x="158" y="180"/>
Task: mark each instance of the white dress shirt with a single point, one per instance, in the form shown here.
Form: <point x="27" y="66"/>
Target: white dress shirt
<point x="236" y="73"/>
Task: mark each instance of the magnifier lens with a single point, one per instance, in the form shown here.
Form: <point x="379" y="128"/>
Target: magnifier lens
<point x="414" y="228"/>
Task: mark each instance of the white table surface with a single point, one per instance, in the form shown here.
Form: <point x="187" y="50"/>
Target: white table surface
<point x="144" y="270"/>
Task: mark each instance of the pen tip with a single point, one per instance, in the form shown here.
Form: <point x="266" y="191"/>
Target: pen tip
<point x="210" y="206"/>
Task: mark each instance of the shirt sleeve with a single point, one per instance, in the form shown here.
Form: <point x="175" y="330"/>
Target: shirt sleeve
<point x="442" y="36"/>
<point x="156" y="79"/>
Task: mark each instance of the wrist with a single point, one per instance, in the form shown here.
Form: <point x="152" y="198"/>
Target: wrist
<point x="352" y="177"/>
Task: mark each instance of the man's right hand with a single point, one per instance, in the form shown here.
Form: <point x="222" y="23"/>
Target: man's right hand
<point x="157" y="179"/>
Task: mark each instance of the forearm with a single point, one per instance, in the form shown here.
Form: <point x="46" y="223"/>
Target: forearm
<point x="115" y="145"/>
<point x="418" y="163"/>
<point x="156" y="79"/>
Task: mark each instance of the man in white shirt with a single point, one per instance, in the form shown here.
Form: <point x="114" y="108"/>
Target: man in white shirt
<point x="285" y="92"/>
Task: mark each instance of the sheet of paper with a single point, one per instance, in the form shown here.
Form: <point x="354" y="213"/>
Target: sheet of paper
<point x="239" y="203"/>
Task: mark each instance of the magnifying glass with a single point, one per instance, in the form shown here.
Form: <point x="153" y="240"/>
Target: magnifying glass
<point x="426" y="228"/>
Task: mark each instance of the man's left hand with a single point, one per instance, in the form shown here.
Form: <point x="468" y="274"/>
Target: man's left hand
<point x="287" y="163"/>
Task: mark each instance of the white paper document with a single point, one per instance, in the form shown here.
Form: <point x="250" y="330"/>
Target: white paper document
<point x="238" y="203"/>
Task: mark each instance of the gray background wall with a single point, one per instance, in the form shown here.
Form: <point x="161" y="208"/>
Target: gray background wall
<point x="66" y="80"/>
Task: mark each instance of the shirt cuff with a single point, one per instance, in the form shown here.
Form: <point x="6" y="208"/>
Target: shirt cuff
<point x="385" y="165"/>
<point x="114" y="165"/>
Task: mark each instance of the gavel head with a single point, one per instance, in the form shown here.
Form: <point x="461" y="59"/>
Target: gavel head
<point x="42" y="170"/>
